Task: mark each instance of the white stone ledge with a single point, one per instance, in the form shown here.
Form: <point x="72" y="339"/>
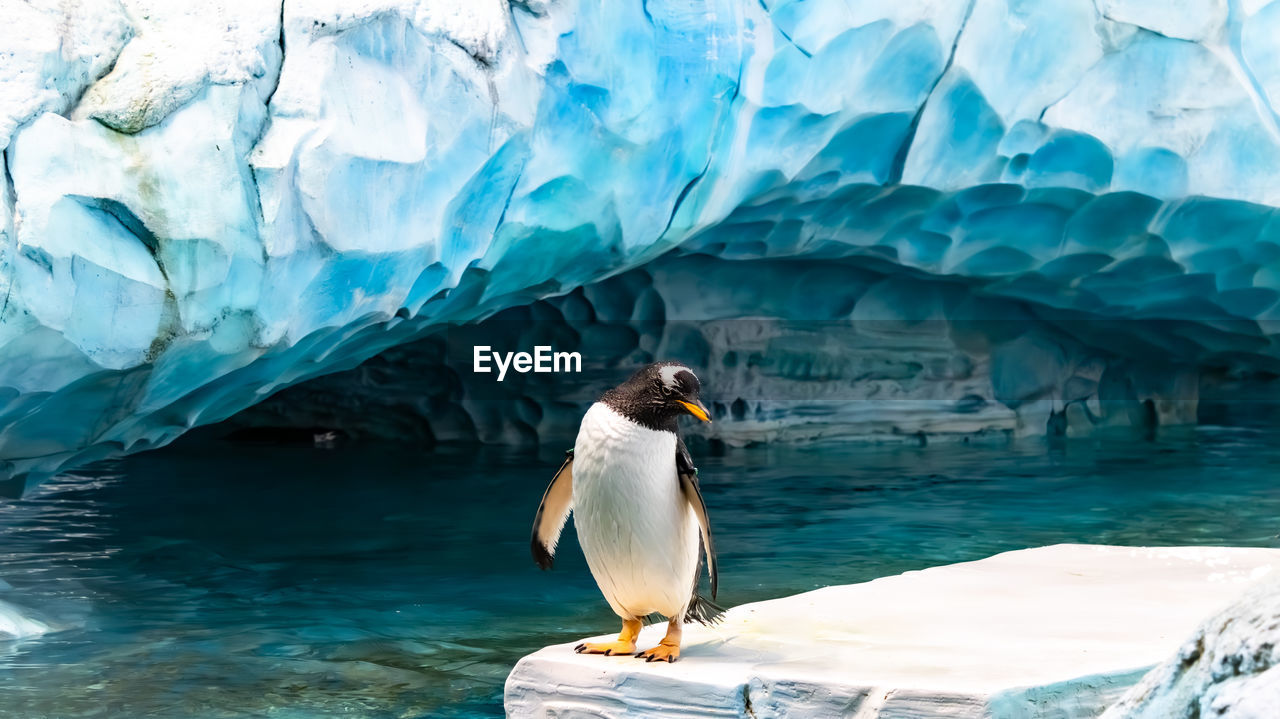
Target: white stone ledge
<point x="1056" y="631"/>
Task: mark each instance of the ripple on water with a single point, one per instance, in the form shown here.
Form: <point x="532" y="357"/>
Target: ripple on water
<point x="213" y="580"/>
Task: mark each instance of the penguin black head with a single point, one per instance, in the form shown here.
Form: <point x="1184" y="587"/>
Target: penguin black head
<point x="656" y="395"/>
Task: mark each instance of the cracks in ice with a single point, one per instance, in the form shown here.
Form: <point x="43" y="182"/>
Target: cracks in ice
<point x="728" y="107"/>
<point x="493" y="114"/>
<point x="485" y="63"/>
<point x="129" y="221"/>
<point x="506" y="204"/>
<point x="280" y="71"/>
<point x="900" y="158"/>
<point x="1235" y="38"/>
<point x="170" y="325"/>
<point x="487" y="66"/>
<point x="783" y="33"/>
<point x="11" y="196"/>
<point x="747" y="708"/>
<point x="1079" y="78"/>
<point x="1141" y="28"/>
<point x="71" y="106"/>
<point x="524" y="5"/>
<point x="681" y="197"/>
<point x="10" y="188"/>
<point x="250" y="172"/>
<point x="515" y="26"/>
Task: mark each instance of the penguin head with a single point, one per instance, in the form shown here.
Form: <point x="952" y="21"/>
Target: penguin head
<point x="658" y="394"/>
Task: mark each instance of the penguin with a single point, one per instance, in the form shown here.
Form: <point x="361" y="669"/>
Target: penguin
<point x="633" y="490"/>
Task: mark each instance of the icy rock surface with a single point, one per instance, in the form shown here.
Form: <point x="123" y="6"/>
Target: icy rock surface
<point x="1229" y="668"/>
<point x="1057" y="631"/>
<point x="202" y="205"/>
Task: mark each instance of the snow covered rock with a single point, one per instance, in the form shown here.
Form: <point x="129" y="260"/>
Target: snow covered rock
<point x="1055" y="631"/>
<point x="61" y="49"/>
<point x="1229" y="668"/>
<point x="178" y="50"/>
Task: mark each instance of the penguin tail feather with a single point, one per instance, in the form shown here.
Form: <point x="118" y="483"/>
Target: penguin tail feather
<point x="703" y="611"/>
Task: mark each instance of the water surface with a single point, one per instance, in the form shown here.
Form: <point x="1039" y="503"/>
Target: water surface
<point x="213" y="579"/>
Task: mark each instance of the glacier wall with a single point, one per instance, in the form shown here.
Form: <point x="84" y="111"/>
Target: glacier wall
<point x="202" y="205"/>
<point x="788" y="349"/>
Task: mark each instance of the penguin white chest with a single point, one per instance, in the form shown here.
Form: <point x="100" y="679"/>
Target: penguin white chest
<point x="637" y="531"/>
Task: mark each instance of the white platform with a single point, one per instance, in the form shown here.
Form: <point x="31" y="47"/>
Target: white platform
<point x="1055" y="632"/>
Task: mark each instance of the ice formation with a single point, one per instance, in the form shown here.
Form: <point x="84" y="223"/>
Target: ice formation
<point x="1229" y="667"/>
<point x="1057" y="631"/>
<point x="203" y="205"/>
<point x="792" y="349"/>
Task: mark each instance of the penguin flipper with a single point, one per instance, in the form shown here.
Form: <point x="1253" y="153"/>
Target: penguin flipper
<point x="556" y="504"/>
<point x="688" y="475"/>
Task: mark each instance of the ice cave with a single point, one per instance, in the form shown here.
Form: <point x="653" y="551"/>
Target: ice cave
<point x="970" y="278"/>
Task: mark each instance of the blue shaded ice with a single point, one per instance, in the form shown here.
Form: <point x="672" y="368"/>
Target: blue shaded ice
<point x="238" y="205"/>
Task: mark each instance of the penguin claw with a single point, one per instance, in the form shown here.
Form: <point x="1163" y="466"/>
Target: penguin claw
<point x="661" y="653"/>
<point x="610" y="649"/>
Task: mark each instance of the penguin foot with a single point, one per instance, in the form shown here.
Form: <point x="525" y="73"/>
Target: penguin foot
<point x="625" y="645"/>
<point x="668" y="650"/>
<point x="606" y="648"/>
<point x="661" y="653"/>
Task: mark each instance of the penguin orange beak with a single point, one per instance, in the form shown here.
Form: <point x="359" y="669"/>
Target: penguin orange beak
<point x="696" y="409"/>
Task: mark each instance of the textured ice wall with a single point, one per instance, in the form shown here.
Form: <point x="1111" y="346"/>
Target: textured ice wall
<point x="787" y="349"/>
<point x="204" y="204"/>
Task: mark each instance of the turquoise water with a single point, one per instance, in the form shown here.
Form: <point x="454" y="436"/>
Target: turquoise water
<point x="226" y="580"/>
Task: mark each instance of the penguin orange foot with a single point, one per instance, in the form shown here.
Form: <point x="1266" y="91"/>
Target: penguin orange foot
<point x="626" y="643"/>
<point x="668" y="650"/>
